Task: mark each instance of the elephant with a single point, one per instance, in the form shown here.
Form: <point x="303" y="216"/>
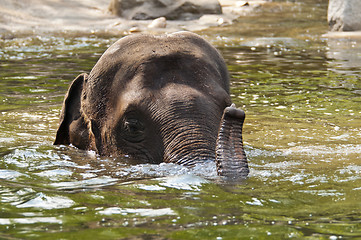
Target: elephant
<point x="157" y="98"/>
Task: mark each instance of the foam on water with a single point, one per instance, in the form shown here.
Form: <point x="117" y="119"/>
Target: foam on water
<point x="30" y="220"/>
<point x="40" y="200"/>
<point x="9" y="174"/>
<point x="183" y="182"/>
<point x="96" y="182"/>
<point x="206" y="169"/>
<point x="145" y="212"/>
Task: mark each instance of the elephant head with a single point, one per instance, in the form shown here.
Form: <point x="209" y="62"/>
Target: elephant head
<point x="157" y="99"/>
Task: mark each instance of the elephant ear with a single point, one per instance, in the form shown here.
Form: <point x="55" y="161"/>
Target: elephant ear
<point x="72" y="128"/>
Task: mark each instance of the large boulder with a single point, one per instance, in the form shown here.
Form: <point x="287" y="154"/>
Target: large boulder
<point x="170" y="9"/>
<point x="344" y="15"/>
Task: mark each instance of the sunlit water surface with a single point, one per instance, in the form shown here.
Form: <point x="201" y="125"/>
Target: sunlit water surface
<point x="302" y="97"/>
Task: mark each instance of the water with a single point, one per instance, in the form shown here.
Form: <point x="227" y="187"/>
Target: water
<point x="302" y="96"/>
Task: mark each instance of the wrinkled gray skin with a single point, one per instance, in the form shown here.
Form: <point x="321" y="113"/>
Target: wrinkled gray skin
<point x="157" y="99"/>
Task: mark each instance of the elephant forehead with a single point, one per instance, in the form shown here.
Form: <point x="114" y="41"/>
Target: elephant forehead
<point x="170" y="95"/>
<point x="169" y="92"/>
<point x="149" y="68"/>
<point x="131" y="51"/>
<point x="177" y="98"/>
<point x="139" y="66"/>
<point x="180" y="91"/>
<point x="144" y="44"/>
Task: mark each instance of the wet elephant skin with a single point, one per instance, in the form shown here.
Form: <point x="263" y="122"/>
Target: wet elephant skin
<point x="154" y="98"/>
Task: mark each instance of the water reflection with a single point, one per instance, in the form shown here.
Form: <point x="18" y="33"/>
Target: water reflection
<point x="345" y="56"/>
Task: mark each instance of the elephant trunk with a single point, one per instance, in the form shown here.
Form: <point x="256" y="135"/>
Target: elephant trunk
<point x="231" y="159"/>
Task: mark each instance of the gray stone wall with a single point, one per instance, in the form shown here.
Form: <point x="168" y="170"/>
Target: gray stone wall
<point x="344" y="15"/>
<point x="170" y="9"/>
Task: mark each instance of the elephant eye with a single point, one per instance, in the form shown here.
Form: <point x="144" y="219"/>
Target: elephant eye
<point x="134" y="130"/>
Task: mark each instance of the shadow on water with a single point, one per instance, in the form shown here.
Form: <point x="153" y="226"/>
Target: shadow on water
<point x="301" y="93"/>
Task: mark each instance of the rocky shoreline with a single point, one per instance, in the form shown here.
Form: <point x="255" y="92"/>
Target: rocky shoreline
<point x="19" y="18"/>
<point x="84" y="17"/>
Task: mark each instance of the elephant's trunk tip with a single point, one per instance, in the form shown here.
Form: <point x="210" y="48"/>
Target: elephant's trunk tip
<point x="233" y="112"/>
<point x="230" y="156"/>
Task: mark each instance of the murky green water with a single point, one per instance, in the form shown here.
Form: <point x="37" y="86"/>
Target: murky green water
<point x="302" y="96"/>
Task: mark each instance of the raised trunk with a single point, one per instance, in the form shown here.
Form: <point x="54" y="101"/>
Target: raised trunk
<point x="231" y="159"/>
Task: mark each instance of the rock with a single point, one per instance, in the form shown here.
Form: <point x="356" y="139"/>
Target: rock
<point x="170" y="9"/>
<point x="344" y="15"/>
<point x="134" y="30"/>
<point x="211" y="20"/>
<point x="220" y="21"/>
<point x="5" y="34"/>
<point x="158" y="23"/>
